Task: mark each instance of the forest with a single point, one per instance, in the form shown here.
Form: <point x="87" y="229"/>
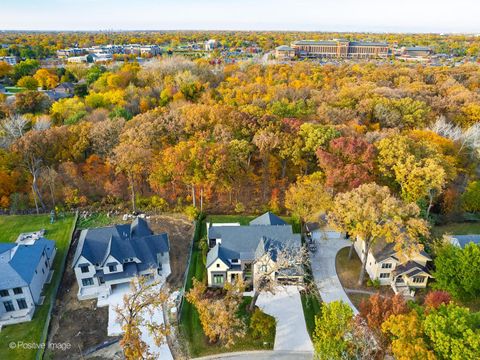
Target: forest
<point x="175" y="134"/>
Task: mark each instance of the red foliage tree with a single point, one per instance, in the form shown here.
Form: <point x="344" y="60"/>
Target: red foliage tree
<point x="434" y="299"/>
<point x="348" y="163"/>
<point x="378" y="308"/>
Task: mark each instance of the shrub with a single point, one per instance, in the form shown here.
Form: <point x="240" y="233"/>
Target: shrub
<point x="239" y="208"/>
<point x="436" y="298"/>
<point x="192" y="212"/>
<point x="261" y="324"/>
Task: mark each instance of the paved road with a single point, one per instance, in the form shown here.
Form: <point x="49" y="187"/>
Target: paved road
<point x="286" y="307"/>
<point x="324" y="272"/>
<point x="261" y="355"/>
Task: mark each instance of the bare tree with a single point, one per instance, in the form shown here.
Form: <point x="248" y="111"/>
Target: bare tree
<point x="469" y="138"/>
<point x="50" y="176"/>
<point x="276" y="267"/>
<point x="13" y="128"/>
<point x="137" y="312"/>
<point x="42" y="123"/>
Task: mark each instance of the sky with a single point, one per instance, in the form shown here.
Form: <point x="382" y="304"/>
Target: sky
<point x="460" y="16"/>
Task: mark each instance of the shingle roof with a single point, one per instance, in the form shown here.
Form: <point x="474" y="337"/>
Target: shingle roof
<point x="249" y="242"/>
<point x="284" y="48"/>
<point x="411" y="268"/>
<point x="268" y="219"/>
<point x="463" y="240"/>
<point x="123" y="242"/>
<point x="18" y="262"/>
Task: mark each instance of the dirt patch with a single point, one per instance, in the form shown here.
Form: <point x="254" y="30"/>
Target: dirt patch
<point x="79" y="323"/>
<point x="180" y="232"/>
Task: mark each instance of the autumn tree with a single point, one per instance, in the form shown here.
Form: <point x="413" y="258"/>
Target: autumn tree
<point x="332" y="327"/>
<point x="46" y="79"/>
<point x="307" y="199"/>
<point x="435" y="298"/>
<point x="28" y="82"/>
<point x="471" y="197"/>
<point x="219" y="316"/>
<point x="371" y="214"/>
<point x="416" y="167"/>
<point x="407" y="335"/>
<point x="348" y="162"/>
<point x="138" y="312"/>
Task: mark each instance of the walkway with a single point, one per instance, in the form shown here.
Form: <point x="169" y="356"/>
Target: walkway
<point x="261" y="355"/>
<point x="325" y="273"/>
<point x="286" y="307"/>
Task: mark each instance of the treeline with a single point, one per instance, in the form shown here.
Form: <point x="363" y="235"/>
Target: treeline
<point x="43" y="44"/>
<point x="176" y="133"/>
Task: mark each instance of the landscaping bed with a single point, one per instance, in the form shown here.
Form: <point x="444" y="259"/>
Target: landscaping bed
<point x="31" y="332"/>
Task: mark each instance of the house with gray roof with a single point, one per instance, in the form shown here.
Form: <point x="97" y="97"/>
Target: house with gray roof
<point x="463" y="240"/>
<point x="25" y="267"/>
<point x="404" y="273"/>
<point x="235" y="250"/>
<point x="108" y="256"/>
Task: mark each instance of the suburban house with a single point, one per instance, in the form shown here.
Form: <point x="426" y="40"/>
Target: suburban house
<point x="108" y="256"/>
<point x="463" y="240"/>
<point x="25" y="267"/>
<point x="386" y="265"/>
<point x="237" y="251"/>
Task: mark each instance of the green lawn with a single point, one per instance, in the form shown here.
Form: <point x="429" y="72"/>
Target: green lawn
<point x="14" y="89"/>
<point x="190" y="325"/>
<point x="60" y="232"/>
<point x="466" y="228"/>
<point x="311" y="307"/>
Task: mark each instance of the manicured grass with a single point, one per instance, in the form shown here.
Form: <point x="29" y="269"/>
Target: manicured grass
<point x="245" y="219"/>
<point x="457" y="229"/>
<point x="14" y="89"/>
<point x="60" y="232"/>
<point x="190" y="326"/>
<point x="312" y="307"/>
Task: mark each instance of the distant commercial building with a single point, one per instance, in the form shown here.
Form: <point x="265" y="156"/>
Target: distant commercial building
<point x="284" y="52"/>
<point x="340" y="49"/>
<point x="12" y="60"/>
<point x="415" y="53"/>
<point x="211" y="45"/>
<point x="66" y="53"/>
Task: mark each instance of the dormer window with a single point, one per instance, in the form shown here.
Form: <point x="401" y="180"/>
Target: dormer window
<point x="112" y="268"/>
<point x="234" y="261"/>
<point x="386" y="265"/>
<point x="84" y="268"/>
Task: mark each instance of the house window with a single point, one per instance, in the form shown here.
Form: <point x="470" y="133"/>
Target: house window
<point x="235" y="261"/>
<point x="22" y="304"/>
<point x="46" y="264"/>
<point x="218" y="265"/>
<point x="4" y="293"/>
<point x="112" y="268"/>
<point x="384" y="275"/>
<point x="8" y="306"/>
<point x="43" y="271"/>
<point x="84" y="268"/>
<point x="418" y="279"/>
<point x="87" y="282"/>
<point x="386" y="265"/>
<point x="218" y="279"/>
<point x="17" y="291"/>
<point x="263" y="268"/>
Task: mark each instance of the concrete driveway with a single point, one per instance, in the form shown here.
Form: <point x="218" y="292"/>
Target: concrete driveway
<point x="114" y="327"/>
<point x="325" y="273"/>
<point x="286" y="306"/>
<point x="261" y="355"/>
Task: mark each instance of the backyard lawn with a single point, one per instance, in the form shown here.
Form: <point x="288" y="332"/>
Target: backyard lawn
<point x="190" y="325"/>
<point x="60" y="232"/>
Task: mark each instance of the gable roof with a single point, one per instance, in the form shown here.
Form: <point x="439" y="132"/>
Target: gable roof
<point x="18" y="262"/>
<point x="411" y="268"/>
<point x="463" y="240"/>
<point x="250" y="242"/>
<point x="268" y="219"/>
<point x="123" y="242"/>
